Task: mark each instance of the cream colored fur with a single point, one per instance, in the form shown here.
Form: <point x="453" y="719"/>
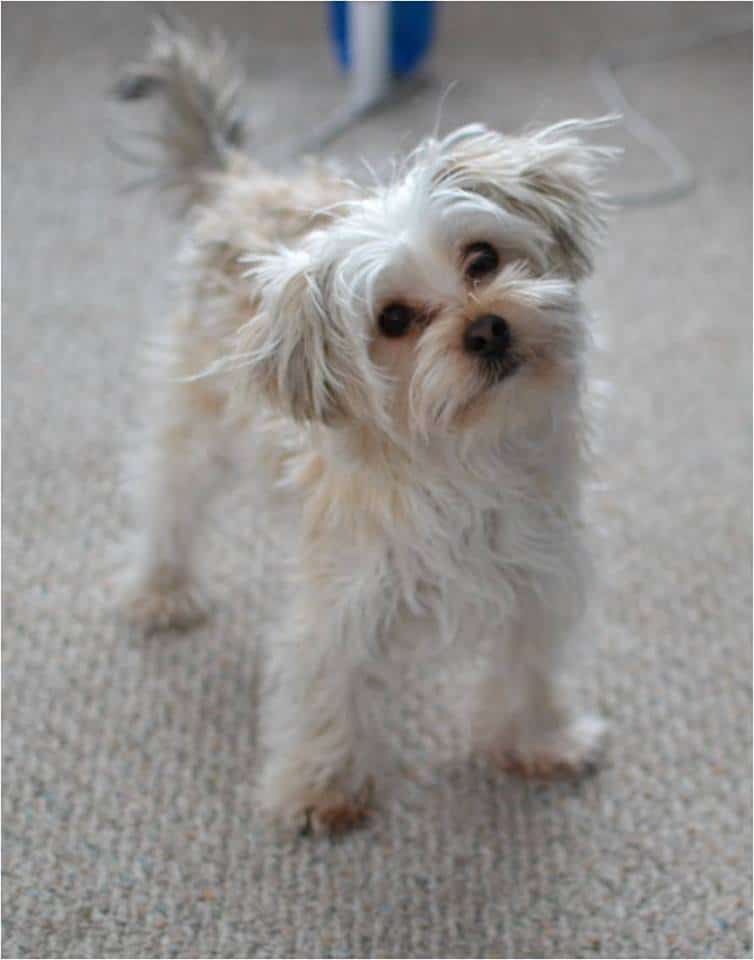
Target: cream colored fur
<point x="423" y="480"/>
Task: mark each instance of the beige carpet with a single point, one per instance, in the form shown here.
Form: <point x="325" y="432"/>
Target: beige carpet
<point x="129" y="829"/>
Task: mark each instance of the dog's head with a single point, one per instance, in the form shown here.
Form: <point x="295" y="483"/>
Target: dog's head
<point x="444" y="301"/>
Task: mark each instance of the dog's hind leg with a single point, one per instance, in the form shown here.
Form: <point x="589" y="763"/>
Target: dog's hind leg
<point x="174" y="471"/>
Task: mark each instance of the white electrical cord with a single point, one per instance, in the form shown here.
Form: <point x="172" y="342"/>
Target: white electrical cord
<point x="604" y="68"/>
<point x="603" y="71"/>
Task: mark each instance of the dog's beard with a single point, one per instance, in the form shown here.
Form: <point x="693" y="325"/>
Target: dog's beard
<point x="451" y="391"/>
<point x="447" y="395"/>
<point x="496" y="369"/>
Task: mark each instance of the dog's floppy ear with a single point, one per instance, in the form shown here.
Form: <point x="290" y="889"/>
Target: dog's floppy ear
<point x="551" y="177"/>
<point x="294" y="349"/>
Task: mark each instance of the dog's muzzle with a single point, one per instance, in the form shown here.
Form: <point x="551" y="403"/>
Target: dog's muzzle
<point x="488" y="337"/>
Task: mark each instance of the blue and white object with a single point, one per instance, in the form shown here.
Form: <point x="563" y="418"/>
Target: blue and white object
<point x="377" y="41"/>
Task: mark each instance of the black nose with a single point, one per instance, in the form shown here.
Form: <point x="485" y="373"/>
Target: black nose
<point x="487" y="336"/>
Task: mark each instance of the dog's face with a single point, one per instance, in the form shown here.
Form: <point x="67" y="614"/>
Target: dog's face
<point x="443" y="303"/>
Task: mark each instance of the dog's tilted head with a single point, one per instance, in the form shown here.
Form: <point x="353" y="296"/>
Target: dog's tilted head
<point x="443" y="301"/>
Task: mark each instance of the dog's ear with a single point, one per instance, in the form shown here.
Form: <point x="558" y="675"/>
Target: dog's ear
<point x="295" y="348"/>
<point x="551" y="177"/>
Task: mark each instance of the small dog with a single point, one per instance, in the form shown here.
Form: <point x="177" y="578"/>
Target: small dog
<point x="412" y="359"/>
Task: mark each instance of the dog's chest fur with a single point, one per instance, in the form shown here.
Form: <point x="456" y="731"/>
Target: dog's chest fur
<point x="452" y="534"/>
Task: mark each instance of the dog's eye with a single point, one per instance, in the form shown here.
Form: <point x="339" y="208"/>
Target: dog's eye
<point x="479" y="260"/>
<point x="395" y="319"/>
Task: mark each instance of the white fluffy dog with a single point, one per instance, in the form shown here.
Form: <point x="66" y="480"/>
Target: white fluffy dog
<point x="412" y="359"/>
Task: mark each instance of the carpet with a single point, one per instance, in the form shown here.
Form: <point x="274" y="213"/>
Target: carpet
<point x="128" y="823"/>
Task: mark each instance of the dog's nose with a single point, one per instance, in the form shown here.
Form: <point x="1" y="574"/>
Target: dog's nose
<point x="488" y="336"/>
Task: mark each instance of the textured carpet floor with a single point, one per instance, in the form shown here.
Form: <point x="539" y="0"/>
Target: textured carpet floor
<point x="128" y="824"/>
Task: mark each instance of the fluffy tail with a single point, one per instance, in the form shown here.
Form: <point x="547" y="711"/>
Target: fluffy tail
<point x="201" y="85"/>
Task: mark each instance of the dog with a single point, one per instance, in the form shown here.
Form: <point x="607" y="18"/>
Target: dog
<point x="412" y="361"/>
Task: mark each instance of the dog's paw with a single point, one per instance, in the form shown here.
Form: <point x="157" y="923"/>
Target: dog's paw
<point x="571" y="751"/>
<point x="336" y="813"/>
<point x="332" y="811"/>
<point x="163" y="603"/>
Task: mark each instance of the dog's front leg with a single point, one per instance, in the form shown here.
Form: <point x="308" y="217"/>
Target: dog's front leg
<point x="527" y="717"/>
<point x="317" y="723"/>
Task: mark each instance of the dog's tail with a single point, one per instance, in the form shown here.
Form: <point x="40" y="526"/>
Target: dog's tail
<point x="201" y="84"/>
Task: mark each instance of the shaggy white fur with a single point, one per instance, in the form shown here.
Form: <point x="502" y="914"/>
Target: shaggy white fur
<point x="412" y="358"/>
